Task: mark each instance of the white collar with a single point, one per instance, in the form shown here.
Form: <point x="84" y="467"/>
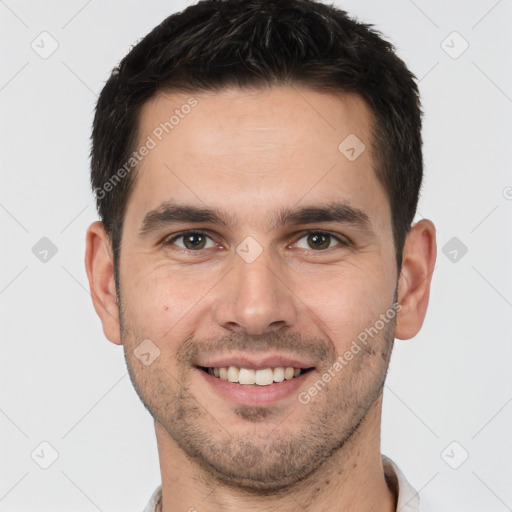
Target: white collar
<point x="408" y="498"/>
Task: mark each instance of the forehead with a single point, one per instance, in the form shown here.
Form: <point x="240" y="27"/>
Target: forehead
<point x="250" y="150"/>
<point x="243" y="122"/>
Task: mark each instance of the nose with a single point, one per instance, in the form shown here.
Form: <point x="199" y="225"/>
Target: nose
<point x="255" y="297"/>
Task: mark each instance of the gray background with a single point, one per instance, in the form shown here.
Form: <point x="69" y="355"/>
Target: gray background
<point x="64" y="384"/>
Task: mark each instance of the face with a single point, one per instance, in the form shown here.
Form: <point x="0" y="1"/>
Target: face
<point x="252" y="241"/>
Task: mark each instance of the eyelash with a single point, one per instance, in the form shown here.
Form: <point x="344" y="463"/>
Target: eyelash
<point x="170" y="241"/>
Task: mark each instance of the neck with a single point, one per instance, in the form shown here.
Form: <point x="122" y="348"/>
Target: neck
<point x="352" y="479"/>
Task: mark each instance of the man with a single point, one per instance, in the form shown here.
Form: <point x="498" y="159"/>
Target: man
<point x="257" y="166"/>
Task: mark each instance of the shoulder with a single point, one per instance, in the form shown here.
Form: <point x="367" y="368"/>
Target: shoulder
<point x="409" y="500"/>
<point x="155" y="498"/>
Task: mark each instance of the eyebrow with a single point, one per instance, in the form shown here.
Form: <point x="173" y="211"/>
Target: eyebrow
<point x="170" y="213"/>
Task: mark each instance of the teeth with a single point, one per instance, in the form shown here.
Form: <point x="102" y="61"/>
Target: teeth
<point x="248" y="376"/>
<point x="264" y="377"/>
<point x="233" y="374"/>
<point x="288" y="373"/>
<point x="279" y="374"/>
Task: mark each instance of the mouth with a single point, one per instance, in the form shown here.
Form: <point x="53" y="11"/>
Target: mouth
<point x="255" y="377"/>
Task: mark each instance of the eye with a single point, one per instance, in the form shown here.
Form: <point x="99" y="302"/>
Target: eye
<point x="319" y="240"/>
<point x="196" y="241"/>
<point x="192" y="240"/>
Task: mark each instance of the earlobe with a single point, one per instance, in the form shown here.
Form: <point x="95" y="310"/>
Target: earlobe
<point x="99" y="266"/>
<point x="419" y="257"/>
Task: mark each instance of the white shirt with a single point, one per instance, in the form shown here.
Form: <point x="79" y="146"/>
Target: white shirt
<point x="408" y="498"/>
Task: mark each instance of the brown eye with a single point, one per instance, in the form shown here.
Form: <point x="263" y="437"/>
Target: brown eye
<point x="319" y="240"/>
<point x="192" y="240"/>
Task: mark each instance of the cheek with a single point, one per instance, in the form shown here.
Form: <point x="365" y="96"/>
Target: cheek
<point x="160" y="301"/>
<point x="347" y="301"/>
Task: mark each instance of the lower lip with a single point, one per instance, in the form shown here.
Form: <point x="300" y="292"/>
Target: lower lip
<point x="253" y="395"/>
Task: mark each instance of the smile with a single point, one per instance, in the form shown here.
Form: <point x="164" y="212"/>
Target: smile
<point x="256" y="377"/>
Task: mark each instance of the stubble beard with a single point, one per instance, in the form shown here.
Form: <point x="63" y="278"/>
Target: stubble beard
<point x="275" y="448"/>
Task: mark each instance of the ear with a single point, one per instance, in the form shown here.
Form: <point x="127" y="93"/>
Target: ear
<point x="419" y="258"/>
<point x="99" y="265"/>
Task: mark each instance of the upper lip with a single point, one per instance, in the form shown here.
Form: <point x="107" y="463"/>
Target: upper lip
<point x="255" y="362"/>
